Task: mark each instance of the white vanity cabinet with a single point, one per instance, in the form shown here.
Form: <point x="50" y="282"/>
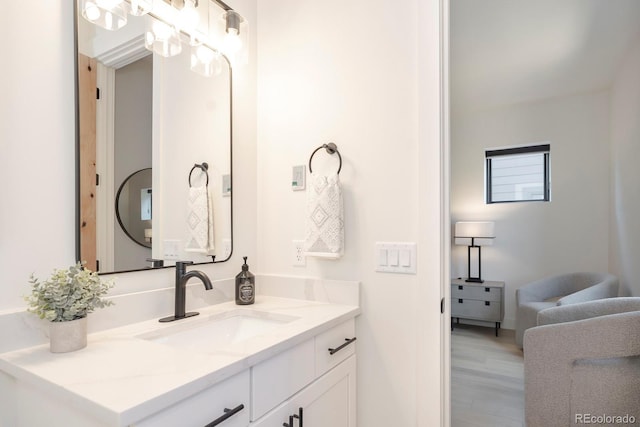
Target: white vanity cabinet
<point x="328" y="400"/>
<point x="305" y="370"/>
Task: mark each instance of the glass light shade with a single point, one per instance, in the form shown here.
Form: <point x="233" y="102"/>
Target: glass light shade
<point x="232" y="41"/>
<point x="162" y="39"/>
<point x="188" y="16"/>
<point x="205" y="61"/>
<point x="140" y="7"/>
<point x="482" y="232"/>
<point x="108" y="14"/>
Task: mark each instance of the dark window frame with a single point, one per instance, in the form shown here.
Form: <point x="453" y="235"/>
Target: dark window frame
<point x="539" y="148"/>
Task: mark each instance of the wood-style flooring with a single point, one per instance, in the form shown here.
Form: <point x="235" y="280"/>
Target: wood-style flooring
<point x="487" y="378"/>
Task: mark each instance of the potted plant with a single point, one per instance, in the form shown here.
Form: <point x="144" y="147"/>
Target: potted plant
<point x="65" y="299"/>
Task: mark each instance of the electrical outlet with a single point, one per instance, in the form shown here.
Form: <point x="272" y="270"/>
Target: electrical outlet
<point x="298" y="253"/>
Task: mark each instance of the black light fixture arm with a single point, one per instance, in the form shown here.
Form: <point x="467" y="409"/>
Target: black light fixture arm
<point x="223" y="5"/>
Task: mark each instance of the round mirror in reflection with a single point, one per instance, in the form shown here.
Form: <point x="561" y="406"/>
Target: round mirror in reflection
<point x="133" y="207"/>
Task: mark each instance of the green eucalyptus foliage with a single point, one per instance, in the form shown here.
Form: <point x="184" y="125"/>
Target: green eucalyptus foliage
<point x="68" y="294"/>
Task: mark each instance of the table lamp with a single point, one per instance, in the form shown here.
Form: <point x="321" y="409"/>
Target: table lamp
<point x="474" y="234"/>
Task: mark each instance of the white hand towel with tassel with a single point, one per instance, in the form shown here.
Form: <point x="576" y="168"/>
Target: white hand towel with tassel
<point x="325" y="217"/>
<point x="200" y="221"/>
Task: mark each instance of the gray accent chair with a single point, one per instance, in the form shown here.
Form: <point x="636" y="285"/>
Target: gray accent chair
<point x="583" y="360"/>
<point x="559" y="290"/>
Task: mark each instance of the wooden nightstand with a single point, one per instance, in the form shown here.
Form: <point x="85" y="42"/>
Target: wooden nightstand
<point x="477" y="301"/>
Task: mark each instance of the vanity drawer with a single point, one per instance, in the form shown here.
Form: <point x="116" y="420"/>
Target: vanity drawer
<point x="484" y="293"/>
<point x="334" y="346"/>
<point x="207" y="406"/>
<point x="475" y="309"/>
<point x="275" y="380"/>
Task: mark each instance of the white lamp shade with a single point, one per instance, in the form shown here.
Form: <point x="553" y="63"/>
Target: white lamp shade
<point x="482" y="232"/>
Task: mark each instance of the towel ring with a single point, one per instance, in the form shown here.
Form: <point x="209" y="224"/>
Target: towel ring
<point x="331" y="149"/>
<point x="204" y="166"/>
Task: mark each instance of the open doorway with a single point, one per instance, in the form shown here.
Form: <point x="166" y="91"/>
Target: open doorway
<point x="526" y="73"/>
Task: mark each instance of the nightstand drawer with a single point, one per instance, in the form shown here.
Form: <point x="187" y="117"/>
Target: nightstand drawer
<point x="475" y="309"/>
<point x="479" y="292"/>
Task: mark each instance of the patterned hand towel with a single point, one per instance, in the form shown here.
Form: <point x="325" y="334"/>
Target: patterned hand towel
<point x="325" y="223"/>
<point x="200" y="221"/>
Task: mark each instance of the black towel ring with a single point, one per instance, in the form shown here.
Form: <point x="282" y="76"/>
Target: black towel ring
<point x="204" y="166"/>
<point x="331" y="149"/>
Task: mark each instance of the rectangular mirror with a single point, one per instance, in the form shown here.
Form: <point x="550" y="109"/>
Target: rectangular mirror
<point x="149" y="125"/>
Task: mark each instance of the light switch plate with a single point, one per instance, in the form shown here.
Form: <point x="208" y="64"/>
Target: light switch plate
<point x="298" y="177"/>
<point x="226" y="185"/>
<point x="171" y="249"/>
<point x="396" y="257"/>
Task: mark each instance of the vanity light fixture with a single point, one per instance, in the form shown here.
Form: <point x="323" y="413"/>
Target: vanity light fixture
<point x="205" y="61"/>
<point x="232" y="41"/>
<point x="108" y="14"/>
<point x="140" y="7"/>
<point x="162" y="38"/>
<point x="163" y="33"/>
<point x="188" y="16"/>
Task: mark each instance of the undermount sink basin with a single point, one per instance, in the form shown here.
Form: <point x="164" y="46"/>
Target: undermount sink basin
<point x="209" y="334"/>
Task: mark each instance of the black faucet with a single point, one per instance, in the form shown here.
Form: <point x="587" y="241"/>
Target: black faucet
<point x="182" y="277"/>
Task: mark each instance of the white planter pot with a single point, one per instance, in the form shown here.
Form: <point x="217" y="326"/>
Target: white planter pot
<point x="68" y="336"/>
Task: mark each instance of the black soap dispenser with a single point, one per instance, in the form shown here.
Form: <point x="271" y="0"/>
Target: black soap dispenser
<point x="245" y="286"/>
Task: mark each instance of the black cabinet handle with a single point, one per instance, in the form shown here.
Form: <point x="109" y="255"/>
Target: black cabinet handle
<point x="460" y="287"/>
<point x="487" y="303"/>
<point x="228" y="413"/>
<point x="487" y="289"/>
<point x="290" y="424"/>
<point x="337" y="349"/>
<point x="298" y="416"/>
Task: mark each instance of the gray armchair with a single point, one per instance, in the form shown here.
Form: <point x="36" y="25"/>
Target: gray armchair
<point x="559" y="290"/>
<point x="583" y="361"/>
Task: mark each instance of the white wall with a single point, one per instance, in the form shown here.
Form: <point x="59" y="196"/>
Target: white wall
<point x="625" y="179"/>
<point x="536" y="239"/>
<point x="37" y="168"/>
<point x="347" y="72"/>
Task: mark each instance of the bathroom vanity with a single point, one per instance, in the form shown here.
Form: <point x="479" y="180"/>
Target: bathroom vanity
<point x="282" y="361"/>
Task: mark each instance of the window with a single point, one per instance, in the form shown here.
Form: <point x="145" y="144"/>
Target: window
<point x="519" y="174"/>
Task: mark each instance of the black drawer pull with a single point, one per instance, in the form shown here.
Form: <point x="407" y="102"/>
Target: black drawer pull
<point x="487" y="289"/>
<point x="459" y="300"/>
<point x="228" y="413"/>
<point x="299" y="417"/>
<point x="460" y="287"/>
<point x="290" y="423"/>
<point x="487" y="303"/>
<point x="337" y="349"/>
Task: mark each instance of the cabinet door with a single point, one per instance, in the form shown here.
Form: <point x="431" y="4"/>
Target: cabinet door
<point x="330" y="401"/>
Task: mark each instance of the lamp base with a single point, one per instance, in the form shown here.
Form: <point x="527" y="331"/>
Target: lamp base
<point x="474" y="280"/>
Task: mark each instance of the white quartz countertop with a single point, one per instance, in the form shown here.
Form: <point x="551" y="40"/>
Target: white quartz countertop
<point x="120" y="378"/>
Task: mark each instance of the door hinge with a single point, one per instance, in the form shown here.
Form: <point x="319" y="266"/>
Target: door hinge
<point x="97" y="93"/>
<point x="97" y="180"/>
<point x="442" y="306"/>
